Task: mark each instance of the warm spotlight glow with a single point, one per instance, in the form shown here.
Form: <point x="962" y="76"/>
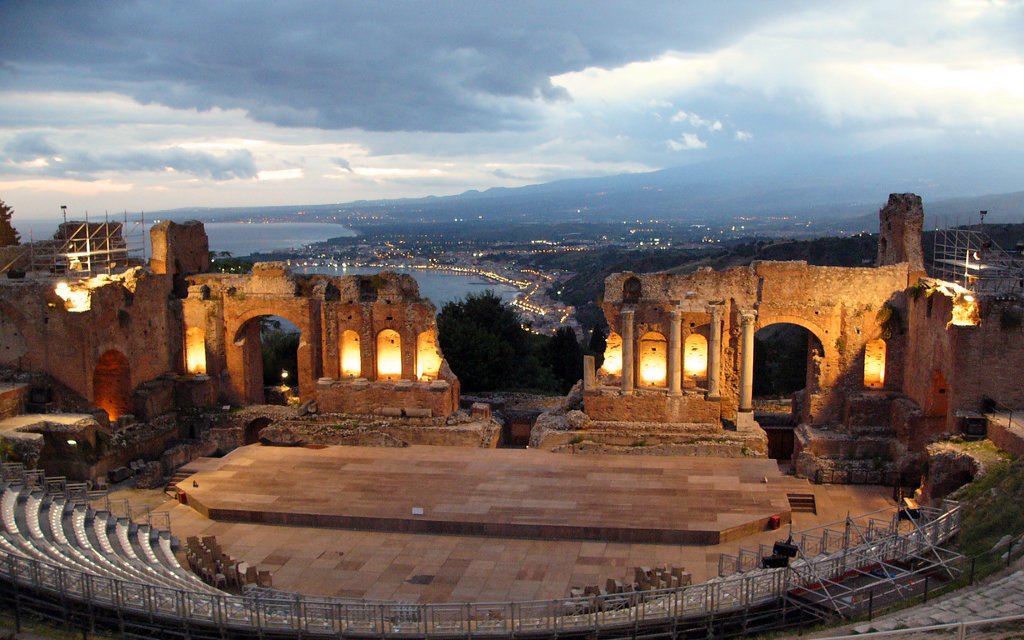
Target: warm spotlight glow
<point x="874" y="364"/>
<point x="613" y="355"/>
<point x="76" y="299"/>
<point x="428" y="357"/>
<point x="653" y="359"/>
<point x="351" y="357"/>
<point x="695" y="357"/>
<point x="389" y="355"/>
<point x="195" y="350"/>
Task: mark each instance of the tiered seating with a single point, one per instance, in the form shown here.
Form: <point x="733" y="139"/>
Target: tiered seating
<point x="69" y="533"/>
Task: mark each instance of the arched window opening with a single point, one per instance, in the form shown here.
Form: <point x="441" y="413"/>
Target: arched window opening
<point x="631" y="289"/>
<point x="653" y="359"/>
<point x="695" y="360"/>
<point x="389" y="355"/>
<point x="351" y="355"/>
<point x="195" y="350"/>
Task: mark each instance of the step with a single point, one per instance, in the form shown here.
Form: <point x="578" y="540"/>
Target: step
<point x="802" y="502"/>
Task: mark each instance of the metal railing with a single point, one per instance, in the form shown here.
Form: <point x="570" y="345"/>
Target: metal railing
<point x="308" y="615"/>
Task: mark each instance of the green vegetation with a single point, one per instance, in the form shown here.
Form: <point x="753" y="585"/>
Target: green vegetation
<point x="992" y="509"/>
<point x="224" y="262"/>
<point x="8" y="235"/>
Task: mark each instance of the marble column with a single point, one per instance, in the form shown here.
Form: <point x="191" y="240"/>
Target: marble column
<point x="626" y="318"/>
<point x="747" y="365"/>
<point x="715" y="352"/>
<point x="675" y="369"/>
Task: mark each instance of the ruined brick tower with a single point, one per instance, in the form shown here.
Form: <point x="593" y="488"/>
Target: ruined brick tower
<point x="899" y="232"/>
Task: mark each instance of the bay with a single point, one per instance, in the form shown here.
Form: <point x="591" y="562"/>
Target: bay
<point x="437" y="287"/>
<point x="244" y="238"/>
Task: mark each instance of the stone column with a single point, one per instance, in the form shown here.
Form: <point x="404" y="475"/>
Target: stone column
<point x="674" y="351"/>
<point x="589" y="373"/>
<point x="715" y="352"/>
<point x="626" y="319"/>
<point x="747" y="366"/>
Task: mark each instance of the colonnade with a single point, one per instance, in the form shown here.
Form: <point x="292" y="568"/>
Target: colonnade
<point x="675" y="353"/>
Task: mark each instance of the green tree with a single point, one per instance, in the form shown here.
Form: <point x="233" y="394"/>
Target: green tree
<point x="280" y="347"/>
<point x="598" y="344"/>
<point x="487" y="347"/>
<point x="8" y="234"/>
<point x="563" y="356"/>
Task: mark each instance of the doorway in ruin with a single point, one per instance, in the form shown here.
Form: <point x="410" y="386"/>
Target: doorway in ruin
<point x="252" y="430"/>
<point x="783" y="365"/>
<point x="111" y="384"/>
<point x="269" y="346"/>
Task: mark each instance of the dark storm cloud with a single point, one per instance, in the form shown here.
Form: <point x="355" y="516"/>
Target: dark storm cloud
<point x="83" y="165"/>
<point x="383" y="66"/>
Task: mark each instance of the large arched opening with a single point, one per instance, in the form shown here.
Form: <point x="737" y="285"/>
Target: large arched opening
<point x="784" y="364"/>
<point x="112" y="384"/>
<point x="269" y="358"/>
<point x="351" y="355"/>
<point x="428" y="356"/>
<point x="695" y="361"/>
<point x="389" y="355"/>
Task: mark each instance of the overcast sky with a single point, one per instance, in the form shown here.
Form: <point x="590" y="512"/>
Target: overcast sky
<point x="107" y="106"/>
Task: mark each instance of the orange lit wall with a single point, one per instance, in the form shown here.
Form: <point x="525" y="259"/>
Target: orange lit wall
<point x="195" y="350"/>
<point x="695" y="359"/>
<point x="351" y="358"/>
<point x="613" y="355"/>
<point x="874" y="363"/>
<point x="428" y="358"/>
<point x="389" y="355"/>
<point x="653" y="359"/>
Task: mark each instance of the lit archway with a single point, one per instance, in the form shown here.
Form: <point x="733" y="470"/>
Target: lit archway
<point x="428" y="356"/>
<point x="874" y="364"/>
<point x="268" y="346"/>
<point x="389" y="355"/>
<point x="695" y="360"/>
<point x="351" y="355"/>
<point x="111" y="384"/>
<point x="653" y="359"/>
<point x="612" y="364"/>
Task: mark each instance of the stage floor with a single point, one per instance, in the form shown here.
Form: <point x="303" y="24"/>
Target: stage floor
<point x="511" y="493"/>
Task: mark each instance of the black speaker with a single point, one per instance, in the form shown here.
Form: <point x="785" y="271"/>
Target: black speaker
<point x="774" y="562"/>
<point x="787" y="549"/>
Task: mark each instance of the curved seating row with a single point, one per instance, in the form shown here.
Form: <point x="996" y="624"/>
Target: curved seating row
<point x="73" y="535"/>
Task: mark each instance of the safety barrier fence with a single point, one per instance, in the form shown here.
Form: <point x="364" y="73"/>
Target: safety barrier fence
<point x="309" y="615"/>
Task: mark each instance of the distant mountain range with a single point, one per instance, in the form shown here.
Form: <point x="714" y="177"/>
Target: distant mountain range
<point x="836" y="193"/>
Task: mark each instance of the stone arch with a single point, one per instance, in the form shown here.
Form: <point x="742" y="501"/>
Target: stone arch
<point x="816" y="330"/>
<point x="653" y="360"/>
<point x="631" y="289"/>
<point x="351" y="354"/>
<point x="874" y="364"/>
<point x="787" y="357"/>
<point x="245" y="356"/>
<point x="612" y="364"/>
<point x="695" y="360"/>
<point x="252" y="430"/>
<point x="428" y="355"/>
<point x="111" y="384"/>
<point x="389" y="355"/>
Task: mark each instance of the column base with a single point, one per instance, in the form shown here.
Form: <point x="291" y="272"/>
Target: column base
<point x="712" y="398"/>
<point x="675" y="394"/>
<point x="745" y="420"/>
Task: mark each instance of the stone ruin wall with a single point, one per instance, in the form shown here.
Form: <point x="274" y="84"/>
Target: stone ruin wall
<point x="221" y="308"/>
<point x="837" y="305"/>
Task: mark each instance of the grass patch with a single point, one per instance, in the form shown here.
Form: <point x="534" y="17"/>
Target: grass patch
<point x="992" y="509"/>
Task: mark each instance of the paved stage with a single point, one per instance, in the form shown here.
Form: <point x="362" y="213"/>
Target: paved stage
<point x="510" y="493"/>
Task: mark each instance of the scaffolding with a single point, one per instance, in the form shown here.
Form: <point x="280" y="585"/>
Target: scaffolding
<point x="966" y="255"/>
<point x="83" y="249"/>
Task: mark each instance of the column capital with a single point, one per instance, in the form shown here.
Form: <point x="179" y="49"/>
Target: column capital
<point x="747" y="316"/>
<point x="716" y="310"/>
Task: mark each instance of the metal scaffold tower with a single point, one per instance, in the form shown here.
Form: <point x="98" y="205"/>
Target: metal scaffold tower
<point x="89" y="248"/>
<point x="967" y="256"/>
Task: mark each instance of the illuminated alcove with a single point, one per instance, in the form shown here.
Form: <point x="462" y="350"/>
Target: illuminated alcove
<point x="695" y="360"/>
<point x="111" y="384"/>
<point x="874" y="363"/>
<point x="351" y="356"/>
<point x="195" y="350"/>
<point x="613" y="355"/>
<point x="653" y="359"/>
<point x="428" y="358"/>
<point x="389" y="355"/>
